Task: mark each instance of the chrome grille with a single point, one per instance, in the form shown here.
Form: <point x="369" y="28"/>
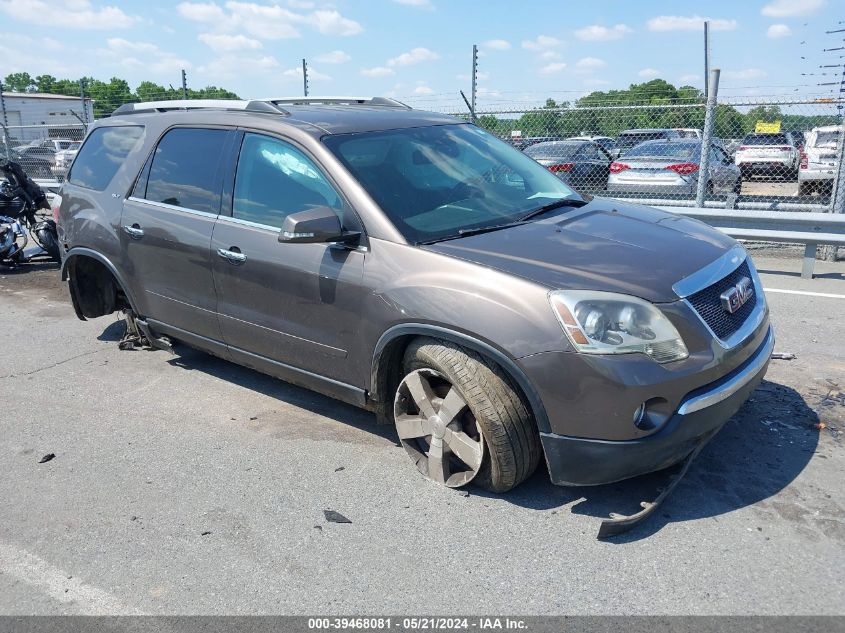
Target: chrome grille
<point x="709" y="306"/>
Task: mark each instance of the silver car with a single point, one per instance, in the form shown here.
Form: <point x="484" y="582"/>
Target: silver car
<point x="672" y="168"/>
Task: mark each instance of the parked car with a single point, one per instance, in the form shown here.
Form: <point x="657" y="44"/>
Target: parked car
<point x="607" y="144"/>
<point x="818" y="161"/>
<point x="412" y="264"/>
<point x="583" y="165"/>
<point x="39" y="152"/>
<point x="672" y="168"/>
<point x="799" y="139"/>
<point x="34" y="166"/>
<point x="64" y="158"/>
<point x="632" y="138"/>
<point x="773" y="155"/>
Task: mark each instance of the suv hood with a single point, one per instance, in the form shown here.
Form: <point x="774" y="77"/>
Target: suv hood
<point x="606" y="245"/>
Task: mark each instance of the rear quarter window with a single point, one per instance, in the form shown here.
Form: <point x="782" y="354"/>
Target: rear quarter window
<point x="102" y="154"/>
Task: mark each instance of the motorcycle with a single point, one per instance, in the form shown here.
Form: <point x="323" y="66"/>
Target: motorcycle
<point x="20" y="201"/>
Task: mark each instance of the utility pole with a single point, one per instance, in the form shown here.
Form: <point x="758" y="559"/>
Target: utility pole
<point x="706" y="58"/>
<point x="84" y="106"/>
<point x="184" y="85"/>
<point x="304" y="77"/>
<point x="5" y="121"/>
<point x="707" y="141"/>
<point x="474" y="81"/>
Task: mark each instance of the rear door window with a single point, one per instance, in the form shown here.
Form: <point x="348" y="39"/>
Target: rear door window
<point x="185" y="169"/>
<point x="103" y="153"/>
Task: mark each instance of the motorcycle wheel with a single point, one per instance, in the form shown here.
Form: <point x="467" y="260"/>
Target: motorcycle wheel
<point x="47" y="240"/>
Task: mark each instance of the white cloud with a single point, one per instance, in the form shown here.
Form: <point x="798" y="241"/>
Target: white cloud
<point x="598" y="33"/>
<point x="378" y="71"/>
<point x="423" y="90"/>
<point x="542" y="42"/>
<point x="550" y="69"/>
<point x="791" y="8"/>
<point x="497" y="45"/>
<point x="126" y="53"/>
<point x="68" y="14"/>
<point x="271" y="22"/>
<point x="689" y="23"/>
<point x="688" y="79"/>
<point x="649" y="73"/>
<point x="330" y="22"/>
<point x="300" y="4"/>
<point x="222" y="43"/>
<point x="334" y="57"/>
<point x="589" y="64"/>
<point x="422" y="4"/>
<point x="747" y="73"/>
<point x="778" y="30"/>
<point x="596" y="82"/>
<point x="550" y="55"/>
<point x="414" y="56"/>
<point x="201" y="11"/>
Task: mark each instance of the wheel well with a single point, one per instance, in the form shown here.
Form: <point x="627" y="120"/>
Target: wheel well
<point x="386" y="374"/>
<point x="93" y="288"/>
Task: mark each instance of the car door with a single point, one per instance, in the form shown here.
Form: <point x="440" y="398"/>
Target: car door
<point x="599" y="167"/>
<point x="295" y="304"/>
<point x="720" y="173"/>
<point x="166" y="228"/>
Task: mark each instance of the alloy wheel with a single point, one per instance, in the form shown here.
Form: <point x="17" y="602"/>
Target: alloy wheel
<point x="437" y="428"/>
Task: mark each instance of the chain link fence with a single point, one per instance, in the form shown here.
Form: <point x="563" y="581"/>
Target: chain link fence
<point x="44" y="151"/>
<point x="777" y="153"/>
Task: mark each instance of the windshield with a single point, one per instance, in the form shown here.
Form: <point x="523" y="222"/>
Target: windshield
<point x="827" y="139"/>
<point x="765" y="139"/>
<point x="553" y="150"/>
<point x="663" y="149"/>
<point x="434" y="182"/>
<point x="629" y="140"/>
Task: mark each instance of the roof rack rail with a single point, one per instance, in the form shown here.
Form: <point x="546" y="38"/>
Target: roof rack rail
<point x="200" y="104"/>
<point x="384" y="102"/>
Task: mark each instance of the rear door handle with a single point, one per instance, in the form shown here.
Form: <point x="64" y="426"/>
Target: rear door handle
<point x="134" y="231"/>
<point x="232" y="256"/>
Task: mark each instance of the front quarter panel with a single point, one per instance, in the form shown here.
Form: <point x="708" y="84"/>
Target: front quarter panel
<point x="409" y="285"/>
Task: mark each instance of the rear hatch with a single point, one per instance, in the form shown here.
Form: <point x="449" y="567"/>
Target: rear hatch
<point x="653" y="170"/>
<point x="822" y="153"/>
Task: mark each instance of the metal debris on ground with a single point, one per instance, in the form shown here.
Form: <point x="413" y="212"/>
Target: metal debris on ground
<point x="783" y="356"/>
<point x="335" y="517"/>
<point x="47" y="458"/>
<point x="339" y="468"/>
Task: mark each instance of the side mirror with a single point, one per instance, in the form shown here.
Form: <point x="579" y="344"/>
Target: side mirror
<point x="315" y="225"/>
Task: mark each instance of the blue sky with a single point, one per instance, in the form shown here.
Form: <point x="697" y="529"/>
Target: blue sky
<point x="420" y="50"/>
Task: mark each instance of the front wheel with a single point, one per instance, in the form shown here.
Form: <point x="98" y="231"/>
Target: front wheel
<point x="460" y="419"/>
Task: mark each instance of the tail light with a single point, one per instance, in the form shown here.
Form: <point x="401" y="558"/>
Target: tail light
<point x="742" y="148"/>
<point x="55" y="206"/>
<point x="683" y="168"/>
<point x="804" y="160"/>
<point x="561" y="167"/>
<point x="615" y="168"/>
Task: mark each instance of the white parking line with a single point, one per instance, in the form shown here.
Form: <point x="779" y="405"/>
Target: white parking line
<point x="58" y="584"/>
<point x="804" y="292"/>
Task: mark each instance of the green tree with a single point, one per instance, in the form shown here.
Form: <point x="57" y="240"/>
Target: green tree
<point x="19" y="82"/>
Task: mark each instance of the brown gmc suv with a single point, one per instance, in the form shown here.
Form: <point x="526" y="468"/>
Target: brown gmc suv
<point x="412" y="264"/>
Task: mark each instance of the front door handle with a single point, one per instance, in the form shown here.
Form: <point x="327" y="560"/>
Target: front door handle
<point x="134" y="231"/>
<point x="231" y="255"/>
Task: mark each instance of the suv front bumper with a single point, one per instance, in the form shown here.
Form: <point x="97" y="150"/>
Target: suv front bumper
<point x="578" y="461"/>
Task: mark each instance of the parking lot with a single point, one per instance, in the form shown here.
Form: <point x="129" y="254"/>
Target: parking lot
<point x="186" y="484"/>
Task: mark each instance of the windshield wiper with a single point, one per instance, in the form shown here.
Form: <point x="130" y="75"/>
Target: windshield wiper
<point x="551" y="206"/>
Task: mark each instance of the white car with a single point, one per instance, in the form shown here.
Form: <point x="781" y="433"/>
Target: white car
<point x="64" y="159"/>
<point x="769" y="154"/>
<point x="818" y="161"/>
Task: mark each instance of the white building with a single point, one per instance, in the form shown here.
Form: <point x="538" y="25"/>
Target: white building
<point x="48" y="114"/>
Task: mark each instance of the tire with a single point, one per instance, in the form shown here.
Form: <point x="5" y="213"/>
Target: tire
<point x="511" y="443"/>
<point x="738" y="187"/>
<point x="805" y="188"/>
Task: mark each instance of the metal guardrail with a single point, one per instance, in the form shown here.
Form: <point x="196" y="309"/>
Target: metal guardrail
<point x="810" y="229"/>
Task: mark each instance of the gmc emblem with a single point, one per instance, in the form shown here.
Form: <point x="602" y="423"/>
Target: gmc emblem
<point x="734" y="298"/>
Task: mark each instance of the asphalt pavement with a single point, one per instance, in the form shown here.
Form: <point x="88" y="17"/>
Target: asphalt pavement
<point x="184" y="484"/>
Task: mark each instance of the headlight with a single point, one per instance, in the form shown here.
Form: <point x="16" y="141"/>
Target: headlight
<point x="611" y="323"/>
